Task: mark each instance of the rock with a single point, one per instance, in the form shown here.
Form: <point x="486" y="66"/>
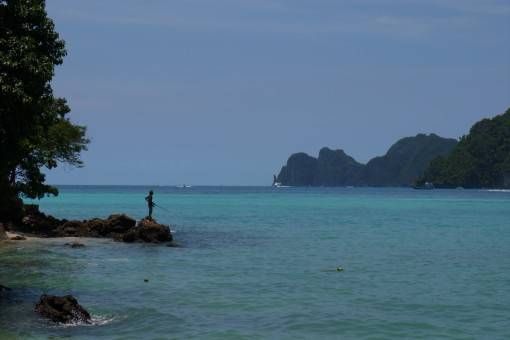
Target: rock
<point x="3" y="235"/>
<point x="120" y="223"/>
<point x="97" y="227"/>
<point x="62" y="309"/>
<point x="111" y="227"/>
<point x="75" y="245"/>
<point x="148" y="231"/>
<point x="117" y="226"/>
<point x="35" y="222"/>
<point x="73" y="228"/>
<point x="18" y="238"/>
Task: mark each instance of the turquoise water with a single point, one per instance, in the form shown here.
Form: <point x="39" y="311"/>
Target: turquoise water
<point x="259" y="263"/>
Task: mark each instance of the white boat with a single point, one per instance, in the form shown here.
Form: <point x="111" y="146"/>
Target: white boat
<point x="184" y="186"/>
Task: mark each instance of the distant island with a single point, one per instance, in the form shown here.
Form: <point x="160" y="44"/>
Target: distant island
<point x="402" y="165"/>
<point x="481" y="159"/>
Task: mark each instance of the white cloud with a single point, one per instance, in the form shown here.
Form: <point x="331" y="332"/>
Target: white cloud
<point x="401" y="18"/>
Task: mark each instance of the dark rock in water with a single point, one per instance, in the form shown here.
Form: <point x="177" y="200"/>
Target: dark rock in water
<point x="18" y="238"/>
<point x="75" y="245"/>
<point x="111" y="227"/>
<point x="118" y="226"/>
<point x="3" y="235"/>
<point x="62" y="309"/>
<point x="120" y="223"/>
<point x="148" y="231"/>
<point x="73" y="228"/>
<point x="97" y="227"/>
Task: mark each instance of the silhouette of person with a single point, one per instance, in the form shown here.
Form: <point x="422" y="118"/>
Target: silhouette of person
<point x="150" y="203"/>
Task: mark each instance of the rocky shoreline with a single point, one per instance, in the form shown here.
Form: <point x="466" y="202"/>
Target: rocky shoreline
<point x="118" y="227"/>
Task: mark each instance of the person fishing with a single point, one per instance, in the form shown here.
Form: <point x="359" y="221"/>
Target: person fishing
<point x="150" y="203"/>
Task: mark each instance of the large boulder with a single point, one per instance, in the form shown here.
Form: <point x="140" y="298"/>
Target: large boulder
<point x="62" y="309"/>
<point x="97" y="227"/>
<point x="148" y="230"/>
<point x="36" y="222"/>
<point x="113" y="226"/>
<point x="73" y="229"/>
<point x="120" y="223"/>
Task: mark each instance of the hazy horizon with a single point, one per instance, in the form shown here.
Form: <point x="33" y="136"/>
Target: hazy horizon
<point x="223" y="93"/>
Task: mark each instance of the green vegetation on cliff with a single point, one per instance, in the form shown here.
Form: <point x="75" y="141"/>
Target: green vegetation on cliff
<point x="34" y="129"/>
<point x="404" y="162"/>
<point x="480" y="160"/>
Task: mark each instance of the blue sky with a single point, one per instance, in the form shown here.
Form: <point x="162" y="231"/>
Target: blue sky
<point x="222" y="92"/>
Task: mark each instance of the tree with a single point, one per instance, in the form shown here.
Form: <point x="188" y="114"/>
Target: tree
<point x="481" y="159"/>
<point x="35" y="130"/>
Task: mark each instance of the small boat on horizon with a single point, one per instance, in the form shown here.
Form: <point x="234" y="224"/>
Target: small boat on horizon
<point x="184" y="186"/>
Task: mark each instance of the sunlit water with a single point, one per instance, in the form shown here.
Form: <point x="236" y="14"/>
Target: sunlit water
<point x="259" y="263"/>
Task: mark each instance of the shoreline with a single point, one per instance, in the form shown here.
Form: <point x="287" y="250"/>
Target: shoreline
<point x="63" y="240"/>
<point x="117" y="227"/>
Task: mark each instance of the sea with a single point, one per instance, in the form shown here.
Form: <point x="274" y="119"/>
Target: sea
<point x="273" y="263"/>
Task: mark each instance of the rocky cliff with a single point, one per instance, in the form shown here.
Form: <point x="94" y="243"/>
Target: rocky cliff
<point x="405" y="161"/>
<point x="480" y="160"/>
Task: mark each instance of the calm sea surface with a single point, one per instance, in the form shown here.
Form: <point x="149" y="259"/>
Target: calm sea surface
<point x="259" y="263"/>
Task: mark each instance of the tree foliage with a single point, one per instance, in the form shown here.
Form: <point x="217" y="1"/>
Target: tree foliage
<point x="481" y="159"/>
<point x="35" y="131"/>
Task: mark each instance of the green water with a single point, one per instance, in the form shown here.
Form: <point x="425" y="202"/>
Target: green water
<point x="259" y="263"/>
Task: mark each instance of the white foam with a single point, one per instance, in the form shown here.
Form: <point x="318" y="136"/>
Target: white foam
<point x="97" y="320"/>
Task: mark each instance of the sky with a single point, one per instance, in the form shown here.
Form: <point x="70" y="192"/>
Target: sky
<point x="222" y="92"/>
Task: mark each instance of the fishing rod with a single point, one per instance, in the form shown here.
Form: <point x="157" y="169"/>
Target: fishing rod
<point x="160" y="207"/>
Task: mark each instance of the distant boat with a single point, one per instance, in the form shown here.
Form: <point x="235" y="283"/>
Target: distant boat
<point x="425" y="186"/>
<point x="276" y="184"/>
<point x="184" y="186"/>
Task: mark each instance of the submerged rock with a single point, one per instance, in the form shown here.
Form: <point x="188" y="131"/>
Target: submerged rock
<point x="148" y="230"/>
<point x="75" y="245"/>
<point x="18" y="238"/>
<point x="62" y="309"/>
